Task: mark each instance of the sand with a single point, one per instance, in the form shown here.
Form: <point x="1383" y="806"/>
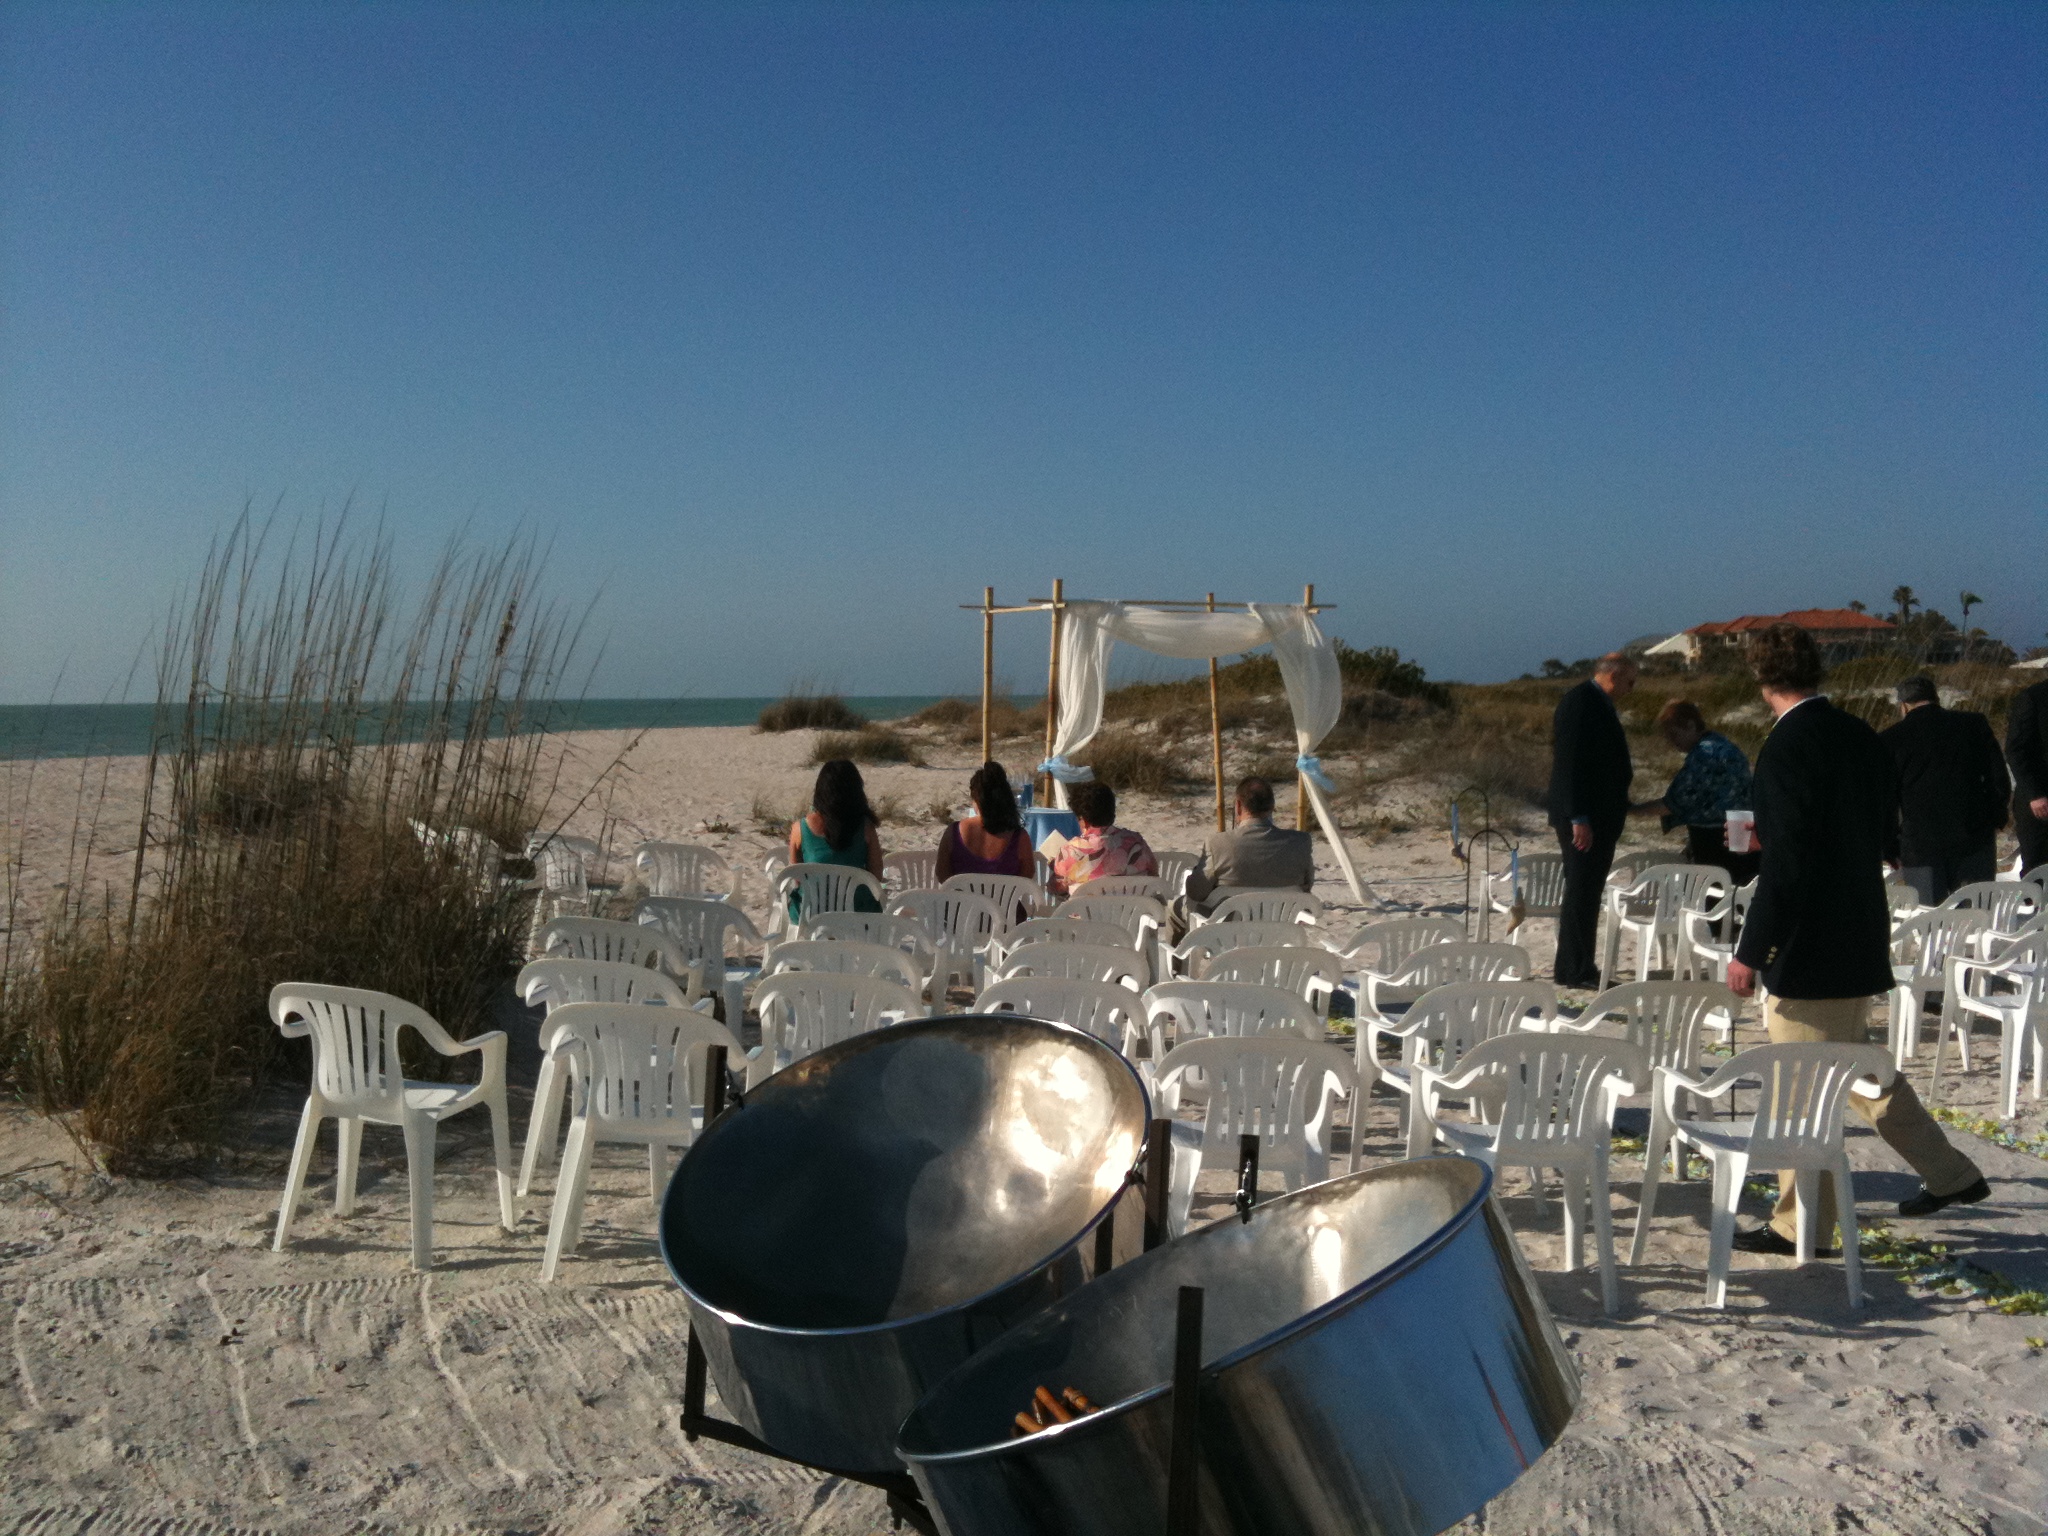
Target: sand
<point x="166" y="1372"/>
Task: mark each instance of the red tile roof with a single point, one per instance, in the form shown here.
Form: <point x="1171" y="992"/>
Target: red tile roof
<point x="1805" y="618"/>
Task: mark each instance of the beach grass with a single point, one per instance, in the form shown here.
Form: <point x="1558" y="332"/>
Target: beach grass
<point x="805" y="709"/>
<point x="869" y="744"/>
<point x="320" y="732"/>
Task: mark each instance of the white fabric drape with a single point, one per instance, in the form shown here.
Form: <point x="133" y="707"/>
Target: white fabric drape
<point x="1308" y="668"/>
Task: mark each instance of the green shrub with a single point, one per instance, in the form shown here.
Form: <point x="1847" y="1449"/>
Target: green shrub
<point x="869" y="744"/>
<point x="802" y="710"/>
<point x="1125" y="761"/>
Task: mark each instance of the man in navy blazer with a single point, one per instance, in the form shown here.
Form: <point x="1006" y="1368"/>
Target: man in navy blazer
<point x="1590" y="771"/>
<point x="1818" y="933"/>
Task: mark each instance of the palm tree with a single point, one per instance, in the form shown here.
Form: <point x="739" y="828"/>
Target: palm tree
<point x="1857" y="605"/>
<point x="1970" y="600"/>
<point x="1905" y="601"/>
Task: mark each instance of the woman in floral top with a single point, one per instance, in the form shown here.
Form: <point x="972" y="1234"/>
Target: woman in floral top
<point x="1713" y="781"/>
<point x="1103" y="848"/>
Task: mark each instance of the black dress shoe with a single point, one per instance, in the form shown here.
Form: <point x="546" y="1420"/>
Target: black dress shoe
<point x="1924" y="1204"/>
<point x="1767" y="1239"/>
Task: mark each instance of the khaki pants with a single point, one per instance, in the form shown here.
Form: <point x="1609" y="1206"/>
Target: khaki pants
<point x="1898" y="1115"/>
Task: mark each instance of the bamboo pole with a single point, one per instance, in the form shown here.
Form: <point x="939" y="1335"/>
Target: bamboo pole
<point x="1216" y="735"/>
<point x="1052" y="683"/>
<point x="1308" y="600"/>
<point x="988" y="670"/>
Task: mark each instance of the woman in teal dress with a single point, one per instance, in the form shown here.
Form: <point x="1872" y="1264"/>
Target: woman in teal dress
<point x="840" y="829"/>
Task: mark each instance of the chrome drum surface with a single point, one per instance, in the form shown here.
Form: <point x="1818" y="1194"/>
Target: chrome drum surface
<point x="880" y="1210"/>
<point x="1376" y="1358"/>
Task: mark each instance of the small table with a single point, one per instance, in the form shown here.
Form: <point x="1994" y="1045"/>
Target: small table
<point x="1041" y="821"/>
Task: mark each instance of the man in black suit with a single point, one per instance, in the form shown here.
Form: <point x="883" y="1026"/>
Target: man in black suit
<point x="1952" y="792"/>
<point x="1818" y="931"/>
<point x="1589" y="777"/>
<point x="2026" y="748"/>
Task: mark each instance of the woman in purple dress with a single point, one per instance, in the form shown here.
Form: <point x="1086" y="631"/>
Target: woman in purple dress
<point x="993" y="840"/>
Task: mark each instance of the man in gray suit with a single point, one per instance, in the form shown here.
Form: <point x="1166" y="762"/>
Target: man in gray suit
<point x="1254" y="856"/>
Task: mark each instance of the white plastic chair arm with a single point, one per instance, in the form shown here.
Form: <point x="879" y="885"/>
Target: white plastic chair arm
<point x="1668" y="1082"/>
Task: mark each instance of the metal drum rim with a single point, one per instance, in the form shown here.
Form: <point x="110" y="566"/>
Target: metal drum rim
<point x="1313" y="1318"/>
<point x="890" y="1325"/>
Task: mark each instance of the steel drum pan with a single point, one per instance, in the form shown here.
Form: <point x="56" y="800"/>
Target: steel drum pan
<point x="880" y="1210"/>
<point x="1376" y="1358"/>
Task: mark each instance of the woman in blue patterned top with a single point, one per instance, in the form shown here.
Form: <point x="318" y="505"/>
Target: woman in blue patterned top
<point x="1713" y="781"/>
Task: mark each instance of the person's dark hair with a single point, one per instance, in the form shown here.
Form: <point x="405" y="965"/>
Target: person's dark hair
<point x="1255" y="795"/>
<point x="840" y="798"/>
<point x="990" y="787"/>
<point x="1785" y="660"/>
<point x="1093" y="802"/>
<point x="1682" y="712"/>
<point x="1918" y="689"/>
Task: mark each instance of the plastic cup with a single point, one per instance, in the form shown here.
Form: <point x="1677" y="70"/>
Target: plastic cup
<point x="1739" y="826"/>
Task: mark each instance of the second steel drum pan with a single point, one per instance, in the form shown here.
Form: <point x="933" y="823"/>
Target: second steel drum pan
<point x="1375" y="1359"/>
<point x="880" y="1210"/>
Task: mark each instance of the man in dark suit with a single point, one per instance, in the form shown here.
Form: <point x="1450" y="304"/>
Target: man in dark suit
<point x="1589" y="777"/>
<point x="2026" y="749"/>
<point x="1952" y="792"/>
<point x="1818" y="931"/>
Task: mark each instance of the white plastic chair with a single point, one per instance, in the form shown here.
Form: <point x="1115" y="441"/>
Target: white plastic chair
<point x="1060" y="930"/>
<point x="1124" y="885"/>
<point x="2008" y="903"/>
<point x="1276" y="1086"/>
<point x="848" y="957"/>
<point x="552" y="984"/>
<point x="561" y="880"/>
<point x="639" y="1076"/>
<point x="1308" y="971"/>
<point x="963" y="929"/>
<point x="1142" y="917"/>
<point x="701" y="930"/>
<point x="1902" y="901"/>
<point x="824" y="888"/>
<point x="901" y="933"/>
<point x="475" y="852"/>
<point x="1174" y="869"/>
<point x="1114" y="964"/>
<point x="1662" y="1019"/>
<point x="1266" y="907"/>
<point x="777" y="923"/>
<point x="1192" y="955"/>
<point x="684" y="869"/>
<point x="805" y="1011"/>
<point x="915" y="871"/>
<point x="1194" y="1010"/>
<point x="357" y="1077"/>
<point x="1797" y="1126"/>
<point x="599" y="938"/>
<point x="1383" y="995"/>
<point x="1112" y="1014"/>
<point x="1703" y="955"/>
<point x="1379" y="948"/>
<point x="1921" y="946"/>
<point x="1008" y="894"/>
<point x="1443" y="1025"/>
<point x="1538" y="878"/>
<point x="2008" y="986"/>
<point x="588" y="849"/>
<point x="1650" y="909"/>
<point x="1555" y="1109"/>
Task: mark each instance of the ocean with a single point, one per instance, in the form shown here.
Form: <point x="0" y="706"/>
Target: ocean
<point x="123" y="730"/>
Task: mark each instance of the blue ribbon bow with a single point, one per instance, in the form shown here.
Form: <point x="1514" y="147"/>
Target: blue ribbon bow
<point x="1311" y="768"/>
<point x="1066" y="772"/>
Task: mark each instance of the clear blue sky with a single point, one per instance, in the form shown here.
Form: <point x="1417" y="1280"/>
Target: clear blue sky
<point x="1520" y="330"/>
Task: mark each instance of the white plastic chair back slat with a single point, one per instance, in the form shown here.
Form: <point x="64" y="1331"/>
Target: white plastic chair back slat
<point x="1267" y="907"/>
<point x="805" y="1011"/>
<point x="848" y="957"/>
<point x="1277" y="1087"/>
<point x="1197" y="1009"/>
<point x="1124" y="885"/>
<point x="1662" y="1019"/>
<point x="1382" y="946"/>
<point x="556" y="981"/>
<point x="1309" y="972"/>
<point x="1014" y="897"/>
<point x="1539" y="877"/>
<point x="1438" y="965"/>
<point x="1112" y="1014"/>
<point x="1115" y="964"/>
<point x="819" y="888"/>
<point x="875" y="928"/>
<point x="917" y="870"/>
<point x="1064" y="930"/>
<point x="2008" y="986"/>
<point x="599" y="938"/>
<point x="684" y="869"/>
<point x="1445" y="1023"/>
<point x="1174" y="869"/>
<point x="2007" y="903"/>
<point x="1195" y="952"/>
<point x="1139" y="916"/>
<point x="1703" y="953"/>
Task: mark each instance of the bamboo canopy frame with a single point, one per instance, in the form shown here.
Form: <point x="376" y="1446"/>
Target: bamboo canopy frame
<point x="1054" y="605"/>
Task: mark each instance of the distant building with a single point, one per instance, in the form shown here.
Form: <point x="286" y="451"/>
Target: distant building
<point x="1841" y="633"/>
